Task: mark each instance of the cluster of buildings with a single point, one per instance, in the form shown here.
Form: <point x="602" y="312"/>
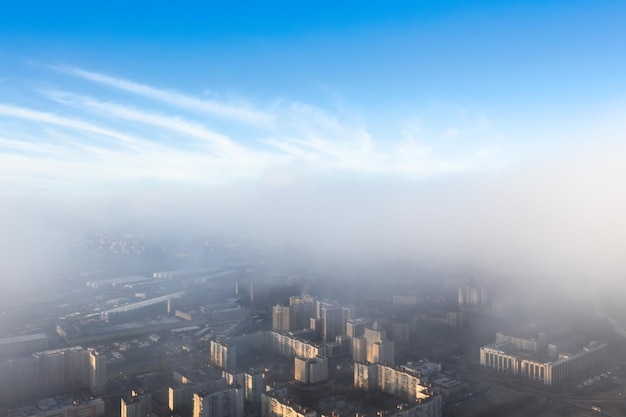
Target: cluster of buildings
<point x="331" y="331"/>
<point x="544" y="357"/>
<point x="413" y="397"/>
<point x="321" y="339"/>
<point x="370" y="343"/>
<point x="193" y="389"/>
<point x="338" y="329"/>
<point x="327" y="319"/>
<point x="363" y="340"/>
<point x="225" y="351"/>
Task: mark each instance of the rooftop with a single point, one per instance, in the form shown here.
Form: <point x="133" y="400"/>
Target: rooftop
<point x="23" y="338"/>
<point x="61" y="350"/>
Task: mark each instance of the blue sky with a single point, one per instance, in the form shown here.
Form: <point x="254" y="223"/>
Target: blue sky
<point x="219" y="93"/>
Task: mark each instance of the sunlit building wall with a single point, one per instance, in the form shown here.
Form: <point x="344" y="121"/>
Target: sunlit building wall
<point x="225" y="403"/>
<point x="273" y="405"/>
<point x="503" y="357"/>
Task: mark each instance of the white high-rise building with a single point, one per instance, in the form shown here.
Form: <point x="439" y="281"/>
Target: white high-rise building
<point x="254" y="385"/>
<point x="281" y="318"/>
<point x="359" y="349"/>
<point x="224" y="355"/>
<point x="97" y="373"/>
<point x="332" y="321"/>
<point x="224" y="403"/>
<point x="310" y="370"/>
<point x="382" y="352"/>
<point x="356" y="327"/>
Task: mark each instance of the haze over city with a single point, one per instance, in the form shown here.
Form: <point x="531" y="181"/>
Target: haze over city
<point x="476" y="147"/>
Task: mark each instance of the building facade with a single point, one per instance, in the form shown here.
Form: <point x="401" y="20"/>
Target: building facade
<point x="382" y="352"/>
<point x="273" y="405"/>
<point x="51" y="372"/>
<point x="280" y="318"/>
<point x="97" y="372"/>
<point x="137" y="405"/>
<point x="180" y="398"/>
<point x="253" y="385"/>
<point x="224" y="355"/>
<point x="310" y="370"/>
<point x="400" y="383"/>
<point x="503" y="357"/>
<point x="224" y="403"/>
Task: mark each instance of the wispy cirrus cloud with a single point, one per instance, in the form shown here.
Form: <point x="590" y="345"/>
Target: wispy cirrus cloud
<point x="212" y="107"/>
<point x="325" y="141"/>
<point x="216" y="141"/>
<point x="115" y="137"/>
<point x="300" y="132"/>
<point x="36" y="116"/>
<point x="23" y="146"/>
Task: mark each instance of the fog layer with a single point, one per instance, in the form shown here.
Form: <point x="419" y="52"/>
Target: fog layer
<point x="560" y="219"/>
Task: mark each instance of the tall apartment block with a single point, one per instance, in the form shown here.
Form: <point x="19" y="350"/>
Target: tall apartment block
<point x="253" y="385"/>
<point x="97" y="373"/>
<point x="224" y="403"/>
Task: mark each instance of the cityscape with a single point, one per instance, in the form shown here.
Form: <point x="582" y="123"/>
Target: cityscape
<point x="313" y="209"/>
<point x="243" y="333"/>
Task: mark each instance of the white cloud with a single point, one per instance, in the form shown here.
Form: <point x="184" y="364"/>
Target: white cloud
<point x="219" y="142"/>
<point x="69" y="123"/>
<point x="19" y="145"/>
<point x="228" y="111"/>
<point x="98" y="139"/>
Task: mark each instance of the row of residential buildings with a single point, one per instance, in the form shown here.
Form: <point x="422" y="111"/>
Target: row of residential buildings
<point x="547" y="358"/>
<point x="364" y="344"/>
<point x="402" y="383"/>
<point x="504" y="357"/>
<point x="52" y="372"/>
